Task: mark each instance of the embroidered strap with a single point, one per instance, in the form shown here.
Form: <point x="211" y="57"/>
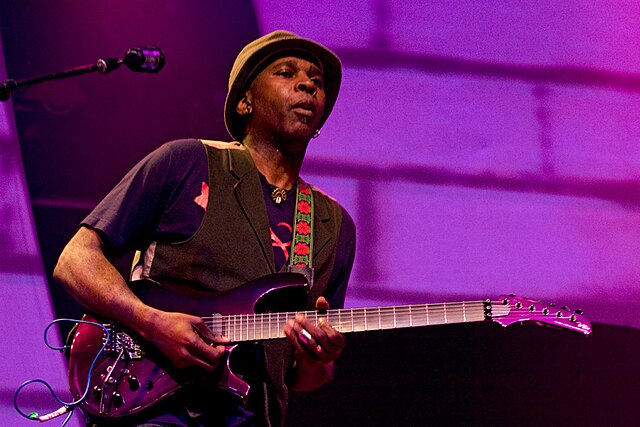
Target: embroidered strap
<point x="302" y="247"/>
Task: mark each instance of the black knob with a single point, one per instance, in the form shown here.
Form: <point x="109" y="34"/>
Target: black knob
<point x="97" y="391"/>
<point x="116" y="399"/>
<point x="134" y="384"/>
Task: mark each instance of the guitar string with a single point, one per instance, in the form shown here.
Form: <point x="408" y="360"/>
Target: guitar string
<point x="252" y="326"/>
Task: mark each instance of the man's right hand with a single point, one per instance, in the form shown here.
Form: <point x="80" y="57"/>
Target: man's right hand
<point x="87" y="274"/>
<point x="186" y="340"/>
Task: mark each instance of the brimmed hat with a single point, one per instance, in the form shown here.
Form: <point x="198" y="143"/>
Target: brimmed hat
<point x="254" y="57"/>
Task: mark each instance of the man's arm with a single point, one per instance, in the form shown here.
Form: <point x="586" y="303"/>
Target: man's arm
<point x="87" y="274"/>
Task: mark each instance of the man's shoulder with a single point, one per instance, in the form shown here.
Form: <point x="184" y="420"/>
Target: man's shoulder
<point x="181" y="150"/>
<point x="326" y="198"/>
<point x="323" y="194"/>
<point x="222" y="145"/>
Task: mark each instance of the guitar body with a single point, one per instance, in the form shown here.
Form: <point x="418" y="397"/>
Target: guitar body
<point x="131" y="375"/>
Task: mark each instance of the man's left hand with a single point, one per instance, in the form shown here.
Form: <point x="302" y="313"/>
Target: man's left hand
<point x="321" y="342"/>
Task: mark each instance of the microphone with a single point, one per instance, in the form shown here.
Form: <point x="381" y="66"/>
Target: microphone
<point x="145" y="59"/>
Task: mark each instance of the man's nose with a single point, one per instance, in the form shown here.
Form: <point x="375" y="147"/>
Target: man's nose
<point x="307" y="85"/>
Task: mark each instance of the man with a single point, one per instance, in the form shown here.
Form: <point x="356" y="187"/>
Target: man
<point x="207" y="217"/>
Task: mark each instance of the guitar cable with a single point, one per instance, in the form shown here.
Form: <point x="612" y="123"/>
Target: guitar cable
<point x="67" y="407"/>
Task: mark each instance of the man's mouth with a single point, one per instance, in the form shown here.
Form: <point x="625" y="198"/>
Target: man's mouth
<point x="305" y="108"/>
<point x="304" y="112"/>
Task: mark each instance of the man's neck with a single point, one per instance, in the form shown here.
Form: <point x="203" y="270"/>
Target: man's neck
<point x="279" y="166"/>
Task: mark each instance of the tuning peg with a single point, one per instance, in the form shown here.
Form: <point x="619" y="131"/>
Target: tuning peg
<point x="578" y="311"/>
<point x="566" y="308"/>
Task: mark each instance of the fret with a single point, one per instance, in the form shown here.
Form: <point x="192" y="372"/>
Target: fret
<point x="385" y="318"/>
<point x="365" y="319"/>
<point x="418" y="315"/>
<point x="275" y="326"/>
<point x="359" y="320"/>
<point x="403" y="316"/>
<point x="223" y="329"/>
<point x="395" y="320"/>
<point x="370" y="317"/>
<point x="262" y="326"/>
<point x="435" y="314"/>
<point x="242" y="328"/>
<point x="352" y="319"/>
<point x="238" y="327"/>
<point x="249" y="324"/>
<point x="245" y="326"/>
<point x="333" y="316"/>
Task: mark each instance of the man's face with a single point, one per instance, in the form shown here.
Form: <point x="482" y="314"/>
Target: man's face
<point x="287" y="98"/>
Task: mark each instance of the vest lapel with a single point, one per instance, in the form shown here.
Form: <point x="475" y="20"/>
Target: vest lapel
<point x="248" y="193"/>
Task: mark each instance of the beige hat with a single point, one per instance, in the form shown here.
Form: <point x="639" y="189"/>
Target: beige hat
<point x="256" y="55"/>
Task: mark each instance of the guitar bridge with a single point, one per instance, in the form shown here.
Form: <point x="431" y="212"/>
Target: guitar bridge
<point x="120" y="341"/>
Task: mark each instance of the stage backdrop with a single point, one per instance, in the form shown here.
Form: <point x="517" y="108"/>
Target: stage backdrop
<point x="484" y="148"/>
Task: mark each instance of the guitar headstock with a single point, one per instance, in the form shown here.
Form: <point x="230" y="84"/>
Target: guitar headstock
<point x="511" y="309"/>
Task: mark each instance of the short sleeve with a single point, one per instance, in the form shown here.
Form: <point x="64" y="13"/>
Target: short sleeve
<point x="129" y="215"/>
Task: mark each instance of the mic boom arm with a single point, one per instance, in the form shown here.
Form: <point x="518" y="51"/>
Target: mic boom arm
<point x="145" y="59"/>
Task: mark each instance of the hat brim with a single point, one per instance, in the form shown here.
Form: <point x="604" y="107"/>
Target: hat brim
<point x="332" y="76"/>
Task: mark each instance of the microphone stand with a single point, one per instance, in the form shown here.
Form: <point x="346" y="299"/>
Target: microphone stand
<point x="104" y="66"/>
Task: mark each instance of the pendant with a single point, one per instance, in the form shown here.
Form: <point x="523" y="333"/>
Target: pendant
<point x="278" y="195"/>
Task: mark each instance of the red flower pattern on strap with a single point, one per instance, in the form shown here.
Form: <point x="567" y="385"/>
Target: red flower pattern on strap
<point x="303" y="228"/>
<point x="303" y="207"/>
<point x="302" y="249"/>
<point x="304" y="189"/>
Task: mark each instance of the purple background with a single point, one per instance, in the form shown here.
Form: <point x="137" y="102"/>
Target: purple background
<point x="481" y="147"/>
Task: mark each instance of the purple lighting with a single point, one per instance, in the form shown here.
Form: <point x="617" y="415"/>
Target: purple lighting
<point x="496" y="148"/>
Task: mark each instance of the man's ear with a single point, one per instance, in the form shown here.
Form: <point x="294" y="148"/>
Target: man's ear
<point x="244" y="107"/>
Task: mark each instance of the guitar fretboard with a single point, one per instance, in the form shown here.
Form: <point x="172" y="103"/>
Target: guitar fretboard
<point x="264" y="326"/>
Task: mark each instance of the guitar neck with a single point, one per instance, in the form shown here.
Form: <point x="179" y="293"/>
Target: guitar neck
<point x="265" y="326"/>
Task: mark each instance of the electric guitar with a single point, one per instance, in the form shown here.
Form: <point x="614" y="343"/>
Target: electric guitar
<point x="132" y="375"/>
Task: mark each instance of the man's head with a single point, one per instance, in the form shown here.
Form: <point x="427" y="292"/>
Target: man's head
<point x="264" y="52"/>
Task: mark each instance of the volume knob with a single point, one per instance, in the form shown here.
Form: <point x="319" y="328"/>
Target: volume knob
<point x="134" y="384"/>
<point x="116" y="399"/>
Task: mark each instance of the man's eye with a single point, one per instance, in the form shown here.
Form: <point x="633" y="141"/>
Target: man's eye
<point x="285" y="73"/>
<point x="317" y="82"/>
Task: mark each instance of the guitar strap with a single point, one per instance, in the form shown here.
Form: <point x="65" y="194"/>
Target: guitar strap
<point x="301" y="259"/>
